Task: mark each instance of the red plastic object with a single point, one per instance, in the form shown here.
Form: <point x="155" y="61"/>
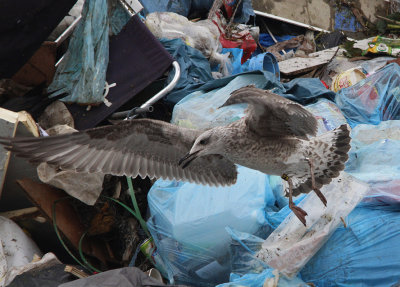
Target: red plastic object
<point x="326" y="86"/>
<point x="243" y="40"/>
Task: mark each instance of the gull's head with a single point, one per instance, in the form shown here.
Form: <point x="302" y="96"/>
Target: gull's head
<point x="207" y="143"/>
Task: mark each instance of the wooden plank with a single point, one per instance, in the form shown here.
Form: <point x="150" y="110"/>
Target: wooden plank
<point x="297" y="65"/>
<point x="68" y="221"/>
<point x="21" y="213"/>
<point x="13" y="124"/>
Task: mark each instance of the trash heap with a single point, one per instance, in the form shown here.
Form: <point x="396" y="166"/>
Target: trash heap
<point x="95" y="63"/>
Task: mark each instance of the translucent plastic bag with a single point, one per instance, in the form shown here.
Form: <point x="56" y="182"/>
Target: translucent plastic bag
<point x="200" y="109"/>
<point x="374" y="158"/>
<point x="188" y="224"/>
<point x="82" y="72"/>
<point x="327" y="114"/>
<point x="374" y="99"/>
<point x="247" y="270"/>
<point x="267" y="278"/>
<point x="202" y="35"/>
<point x="291" y="245"/>
<point x="369" y="239"/>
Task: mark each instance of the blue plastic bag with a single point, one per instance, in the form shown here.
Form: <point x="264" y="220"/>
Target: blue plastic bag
<point x="247" y="270"/>
<point x="195" y="68"/>
<point x="82" y="73"/>
<point x="374" y="158"/>
<point x="365" y="253"/>
<point x="374" y="99"/>
<point x="188" y="224"/>
<point x="327" y="114"/>
<point x="263" y="62"/>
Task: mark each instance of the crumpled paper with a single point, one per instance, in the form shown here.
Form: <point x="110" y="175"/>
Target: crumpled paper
<point x="82" y="185"/>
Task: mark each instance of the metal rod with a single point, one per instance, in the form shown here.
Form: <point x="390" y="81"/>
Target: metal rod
<point x="290" y="21"/>
<point x="134" y="111"/>
<point x="273" y="37"/>
<point x="146" y="107"/>
<point x="67" y="31"/>
<point x="167" y="89"/>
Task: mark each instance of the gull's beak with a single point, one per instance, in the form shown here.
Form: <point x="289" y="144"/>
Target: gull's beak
<point x="187" y="159"/>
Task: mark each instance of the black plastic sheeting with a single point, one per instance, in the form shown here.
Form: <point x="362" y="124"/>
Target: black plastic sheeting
<point x="137" y="59"/>
<point x="24" y="26"/>
<point x="327" y="41"/>
<point x="51" y="276"/>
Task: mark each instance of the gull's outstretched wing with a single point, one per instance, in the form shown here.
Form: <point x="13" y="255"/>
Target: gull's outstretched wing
<point x="142" y="147"/>
<point x="269" y="114"/>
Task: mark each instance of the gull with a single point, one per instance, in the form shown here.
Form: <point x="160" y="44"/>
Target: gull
<point x="276" y="136"/>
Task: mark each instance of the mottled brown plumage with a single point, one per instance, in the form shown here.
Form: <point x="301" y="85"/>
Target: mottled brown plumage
<point x="277" y="136"/>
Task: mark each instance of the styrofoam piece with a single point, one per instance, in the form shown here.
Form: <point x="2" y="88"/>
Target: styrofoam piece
<point x="16" y="249"/>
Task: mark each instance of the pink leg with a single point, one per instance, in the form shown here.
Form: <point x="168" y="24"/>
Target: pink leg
<point x="299" y="212"/>
<point x="317" y="191"/>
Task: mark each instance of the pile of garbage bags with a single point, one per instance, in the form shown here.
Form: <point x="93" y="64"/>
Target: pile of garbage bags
<point x="240" y="235"/>
<point x="204" y="239"/>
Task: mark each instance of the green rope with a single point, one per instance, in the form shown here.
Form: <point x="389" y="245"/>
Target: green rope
<point x="135" y="213"/>
<point x="138" y="217"/>
<point x="135" y="205"/>
<point x="58" y="233"/>
<point x="90" y="266"/>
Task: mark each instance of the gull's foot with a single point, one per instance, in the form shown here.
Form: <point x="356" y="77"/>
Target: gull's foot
<point x="300" y="213"/>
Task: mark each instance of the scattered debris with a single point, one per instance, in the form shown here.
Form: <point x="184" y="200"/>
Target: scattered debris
<point x="14" y="125"/>
<point x="84" y="186"/>
<point x="295" y="66"/>
<point x="179" y="61"/>
<point x="382" y="45"/>
<point x="203" y="35"/>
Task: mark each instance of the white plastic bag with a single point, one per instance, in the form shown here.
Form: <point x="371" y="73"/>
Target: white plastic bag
<point x="292" y="244"/>
<point x="202" y="35"/>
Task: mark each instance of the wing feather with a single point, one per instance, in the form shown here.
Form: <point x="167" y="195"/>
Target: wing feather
<point x="269" y="114"/>
<point x="139" y="147"/>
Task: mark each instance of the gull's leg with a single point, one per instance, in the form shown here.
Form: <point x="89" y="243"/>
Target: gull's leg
<point x="299" y="212"/>
<point x="317" y="191"/>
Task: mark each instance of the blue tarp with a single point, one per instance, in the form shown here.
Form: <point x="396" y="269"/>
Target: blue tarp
<point x="302" y="90"/>
<point x="266" y="40"/>
<point x="195" y="68"/>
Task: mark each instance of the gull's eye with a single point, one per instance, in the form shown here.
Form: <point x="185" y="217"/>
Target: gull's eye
<point x="203" y="142"/>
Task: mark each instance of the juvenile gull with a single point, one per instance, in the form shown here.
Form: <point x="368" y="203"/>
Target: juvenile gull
<point x="277" y="137"/>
